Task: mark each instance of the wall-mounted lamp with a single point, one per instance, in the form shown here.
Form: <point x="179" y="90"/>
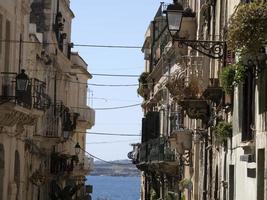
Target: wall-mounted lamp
<point x="175" y="14"/>
<point x="22" y="81"/>
<point x="77" y="148"/>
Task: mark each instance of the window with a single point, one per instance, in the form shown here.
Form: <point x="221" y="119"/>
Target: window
<point x="263" y="92"/>
<point x="7" y="46"/>
<point x="248" y="106"/>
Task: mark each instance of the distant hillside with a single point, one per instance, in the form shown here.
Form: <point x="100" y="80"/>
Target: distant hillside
<point x="125" y="168"/>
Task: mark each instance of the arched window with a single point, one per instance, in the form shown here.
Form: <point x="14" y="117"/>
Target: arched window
<point x="17" y="172"/>
<point x="2" y="170"/>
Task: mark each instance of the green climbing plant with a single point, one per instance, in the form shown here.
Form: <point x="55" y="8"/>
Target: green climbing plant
<point x="223" y="130"/>
<point x="232" y="75"/>
<point x="247" y="30"/>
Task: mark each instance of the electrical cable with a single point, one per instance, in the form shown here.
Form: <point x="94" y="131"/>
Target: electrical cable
<point x="110" y="142"/>
<point x="110" y="134"/>
<point x="110" y="85"/>
<point x="108" y="162"/>
<point x="119" y="107"/>
<point x="93" y="156"/>
<point x="117" y="75"/>
<point x="75" y="45"/>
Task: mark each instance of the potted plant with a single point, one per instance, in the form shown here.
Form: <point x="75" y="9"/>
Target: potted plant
<point x="232" y="75"/>
<point x="143" y="85"/>
<point x="153" y="194"/>
<point x="176" y="87"/>
<point x="170" y="196"/>
<point x="180" y="90"/>
<point x="223" y="130"/>
<point x="185" y="184"/>
<point x="247" y="30"/>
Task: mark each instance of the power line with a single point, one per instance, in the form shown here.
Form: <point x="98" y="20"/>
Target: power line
<point x="76" y="45"/>
<point x="94" y="74"/>
<point x="111" y="142"/>
<point x="110" y="134"/>
<point x="110" y="85"/>
<point x="119" y="75"/>
<point x="101" y="85"/>
<point x="114" y="134"/>
<point x="119" y="107"/>
<point x="93" y="156"/>
<point x="107" y="46"/>
<point x="108" y="162"/>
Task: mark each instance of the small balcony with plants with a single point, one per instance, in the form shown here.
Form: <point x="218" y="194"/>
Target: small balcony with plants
<point x="180" y="138"/>
<point x="22" y="99"/>
<point x="187" y="85"/>
<point x="143" y="89"/>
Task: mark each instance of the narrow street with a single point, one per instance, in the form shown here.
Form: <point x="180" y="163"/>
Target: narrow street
<point x="133" y="100"/>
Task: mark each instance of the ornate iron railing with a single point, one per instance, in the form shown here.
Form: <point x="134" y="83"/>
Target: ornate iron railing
<point x="34" y="96"/>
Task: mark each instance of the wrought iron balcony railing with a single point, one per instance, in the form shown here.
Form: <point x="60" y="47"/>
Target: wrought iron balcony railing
<point x="61" y="163"/>
<point x="33" y="97"/>
<point x="60" y="122"/>
<point x="155" y="151"/>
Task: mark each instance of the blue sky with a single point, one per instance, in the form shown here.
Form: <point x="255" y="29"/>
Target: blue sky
<point x="116" y="22"/>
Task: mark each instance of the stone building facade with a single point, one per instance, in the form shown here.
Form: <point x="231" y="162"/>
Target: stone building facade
<point x="43" y="103"/>
<point x="198" y="141"/>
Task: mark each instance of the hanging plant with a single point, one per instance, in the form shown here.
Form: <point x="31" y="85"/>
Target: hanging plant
<point x="247" y="30"/>
<point x="179" y="90"/>
<point x="170" y="196"/>
<point x="193" y="89"/>
<point x="143" y="85"/>
<point x="232" y="75"/>
<point x="176" y="87"/>
<point x="37" y="178"/>
<point x="185" y="184"/>
<point x="223" y="130"/>
<point x="153" y="194"/>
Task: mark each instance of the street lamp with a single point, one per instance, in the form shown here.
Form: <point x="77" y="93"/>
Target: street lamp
<point x="77" y="148"/>
<point x="174" y="15"/>
<point x="22" y="81"/>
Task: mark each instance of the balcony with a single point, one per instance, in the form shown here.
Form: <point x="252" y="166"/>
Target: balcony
<point x="61" y="163"/>
<point x="86" y="117"/>
<point x="155" y="152"/>
<point x="21" y="106"/>
<point x="60" y="123"/>
<point x="84" y="167"/>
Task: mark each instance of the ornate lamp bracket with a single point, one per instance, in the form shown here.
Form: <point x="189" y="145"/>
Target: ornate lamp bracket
<point x="212" y="49"/>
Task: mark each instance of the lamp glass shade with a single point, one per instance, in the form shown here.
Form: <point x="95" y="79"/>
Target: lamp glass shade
<point x="22" y="81"/>
<point x="77" y="148"/>
<point x="174" y="19"/>
<point x="66" y="134"/>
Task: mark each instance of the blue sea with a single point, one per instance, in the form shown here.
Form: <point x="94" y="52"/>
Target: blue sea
<point x="114" y="187"/>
